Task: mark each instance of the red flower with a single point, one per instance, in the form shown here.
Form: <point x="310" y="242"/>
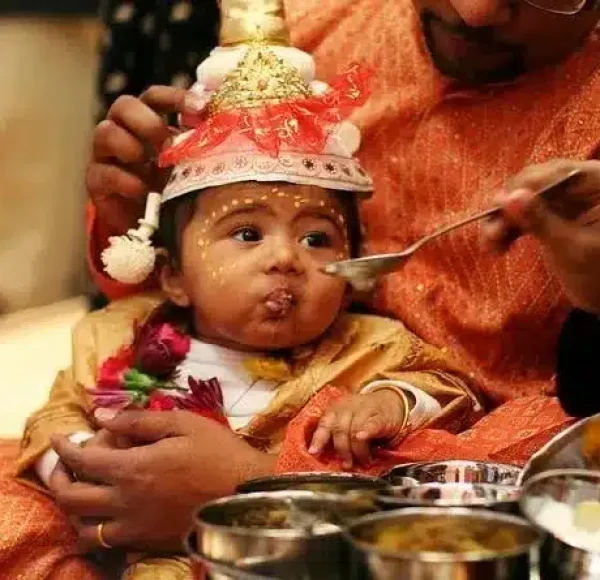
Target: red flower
<point x="112" y="372"/>
<point x="204" y="398"/>
<point x="160" y="349"/>
<point x="161" y="402"/>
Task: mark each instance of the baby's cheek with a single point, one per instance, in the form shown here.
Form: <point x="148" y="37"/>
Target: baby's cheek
<point x="327" y="295"/>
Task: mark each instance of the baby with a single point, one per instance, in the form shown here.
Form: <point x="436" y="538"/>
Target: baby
<point x="248" y="329"/>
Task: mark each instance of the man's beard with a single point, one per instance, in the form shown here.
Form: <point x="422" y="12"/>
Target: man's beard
<point x="468" y="71"/>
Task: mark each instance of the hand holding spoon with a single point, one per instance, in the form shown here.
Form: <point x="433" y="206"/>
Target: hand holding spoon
<point x="362" y="273"/>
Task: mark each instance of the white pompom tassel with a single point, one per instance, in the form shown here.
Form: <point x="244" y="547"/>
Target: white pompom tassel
<point x="130" y="259"/>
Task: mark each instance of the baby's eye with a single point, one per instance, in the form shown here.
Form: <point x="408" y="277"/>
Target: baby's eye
<point x="247" y="234"/>
<point x="316" y="240"/>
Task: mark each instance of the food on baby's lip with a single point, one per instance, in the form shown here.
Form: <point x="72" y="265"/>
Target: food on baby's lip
<point x="590" y="447"/>
<point x="449" y="536"/>
<point x="280" y="302"/>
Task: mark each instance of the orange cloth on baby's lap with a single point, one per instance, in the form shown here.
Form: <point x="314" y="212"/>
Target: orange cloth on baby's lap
<point x="509" y="435"/>
<point x="36" y="539"/>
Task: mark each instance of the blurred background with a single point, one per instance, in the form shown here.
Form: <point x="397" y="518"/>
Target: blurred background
<point x="49" y="62"/>
<point x="62" y="64"/>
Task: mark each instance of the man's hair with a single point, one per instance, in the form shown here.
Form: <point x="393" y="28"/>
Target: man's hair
<point x="176" y="214"/>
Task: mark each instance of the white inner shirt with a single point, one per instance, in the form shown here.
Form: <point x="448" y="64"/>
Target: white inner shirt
<point x="243" y="397"/>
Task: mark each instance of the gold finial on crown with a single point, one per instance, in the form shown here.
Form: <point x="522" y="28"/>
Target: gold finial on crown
<point x="245" y="21"/>
<point x="260" y="78"/>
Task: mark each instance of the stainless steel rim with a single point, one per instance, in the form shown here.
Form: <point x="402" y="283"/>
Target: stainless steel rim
<point x="543" y="451"/>
<point x="313" y="477"/>
<point x="478" y="502"/>
<point x="424" y="466"/>
<point x="267" y="533"/>
<point x="548" y="475"/>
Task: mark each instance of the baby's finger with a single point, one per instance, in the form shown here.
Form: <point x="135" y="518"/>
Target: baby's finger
<point x="341" y="436"/>
<point x="361" y="450"/>
<point x="322" y="434"/>
<point x="60" y="479"/>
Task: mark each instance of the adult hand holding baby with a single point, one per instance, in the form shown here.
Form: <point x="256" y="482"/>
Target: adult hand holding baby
<point x="61" y="478"/>
<point x="146" y="494"/>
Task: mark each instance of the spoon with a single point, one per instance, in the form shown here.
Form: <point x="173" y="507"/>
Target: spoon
<point x="362" y="273"/>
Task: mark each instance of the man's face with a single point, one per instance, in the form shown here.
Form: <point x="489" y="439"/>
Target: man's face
<point x="481" y="41"/>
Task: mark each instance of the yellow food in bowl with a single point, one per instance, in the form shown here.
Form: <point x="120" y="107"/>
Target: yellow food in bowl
<point x="446" y="536"/>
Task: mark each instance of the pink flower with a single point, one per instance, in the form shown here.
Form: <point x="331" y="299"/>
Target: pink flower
<point x="204" y="398"/>
<point x="160" y="349"/>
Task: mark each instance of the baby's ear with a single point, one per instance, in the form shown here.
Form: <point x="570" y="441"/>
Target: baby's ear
<point x="171" y="280"/>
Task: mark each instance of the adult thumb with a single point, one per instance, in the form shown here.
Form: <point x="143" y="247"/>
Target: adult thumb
<point x="140" y="426"/>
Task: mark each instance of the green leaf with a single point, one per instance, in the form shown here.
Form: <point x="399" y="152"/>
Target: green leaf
<point x="139" y="382"/>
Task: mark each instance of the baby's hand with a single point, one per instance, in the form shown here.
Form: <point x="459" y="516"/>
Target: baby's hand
<point x="356" y="421"/>
<point x="61" y="475"/>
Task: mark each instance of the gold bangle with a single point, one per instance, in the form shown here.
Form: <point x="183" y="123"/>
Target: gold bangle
<point x="402" y="396"/>
<point x="100" y="536"/>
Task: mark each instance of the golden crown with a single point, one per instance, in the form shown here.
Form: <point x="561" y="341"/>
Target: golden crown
<point x="260" y="78"/>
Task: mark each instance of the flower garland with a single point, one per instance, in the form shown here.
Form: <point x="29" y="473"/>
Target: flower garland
<point x="142" y="376"/>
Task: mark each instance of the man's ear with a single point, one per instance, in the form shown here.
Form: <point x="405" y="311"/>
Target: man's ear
<point x="171" y="282"/>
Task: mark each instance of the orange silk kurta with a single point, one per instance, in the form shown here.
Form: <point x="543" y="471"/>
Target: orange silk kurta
<point x="435" y="155"/>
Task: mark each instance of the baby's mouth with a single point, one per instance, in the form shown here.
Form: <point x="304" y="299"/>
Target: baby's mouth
<point x="279" y="303"/>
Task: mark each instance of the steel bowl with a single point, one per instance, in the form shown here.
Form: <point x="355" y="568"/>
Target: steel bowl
<point x="205" y="567"/>
<point x="548" y="500"/>
<point x="456" y="471"/>
<point x="339" y="483"/>
<point x="513" y="563"/>
<point x="236" y="532"/>
<point x="502" y="498"/>
<point x="562" y="452"/>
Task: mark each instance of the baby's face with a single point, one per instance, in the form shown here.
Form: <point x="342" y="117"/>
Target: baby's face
<point x="250" y="264"/>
